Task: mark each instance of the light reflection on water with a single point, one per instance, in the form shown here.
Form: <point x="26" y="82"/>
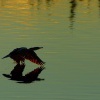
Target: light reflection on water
<point x="69" y="32"/>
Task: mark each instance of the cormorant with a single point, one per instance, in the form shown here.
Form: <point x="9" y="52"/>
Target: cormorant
<point x="20" y="54"/>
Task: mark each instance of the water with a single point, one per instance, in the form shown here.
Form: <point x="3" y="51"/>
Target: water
<point x="69" y="31"/>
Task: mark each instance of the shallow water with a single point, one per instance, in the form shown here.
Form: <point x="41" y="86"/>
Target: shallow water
<point x="69" y="31"/>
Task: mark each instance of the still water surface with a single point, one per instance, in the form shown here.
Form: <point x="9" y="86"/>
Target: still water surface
<point x="69" y="31"/>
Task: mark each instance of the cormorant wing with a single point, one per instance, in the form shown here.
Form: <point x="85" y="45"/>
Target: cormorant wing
<point x="32" y="56"/>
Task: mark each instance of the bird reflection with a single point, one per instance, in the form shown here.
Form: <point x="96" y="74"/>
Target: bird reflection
<point x="33" y="75"/>
<point x="17" y="74"/>
<point x="72" y="12"/>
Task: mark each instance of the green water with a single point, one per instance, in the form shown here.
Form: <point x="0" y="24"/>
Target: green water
<point x="69" y="31"/>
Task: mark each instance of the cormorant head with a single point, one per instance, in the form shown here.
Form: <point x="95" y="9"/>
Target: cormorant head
<point x="36" y="48"/>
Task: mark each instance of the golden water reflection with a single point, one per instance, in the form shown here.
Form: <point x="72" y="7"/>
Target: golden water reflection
<point x="26" y="11"/>
<point x="26" y="4"/>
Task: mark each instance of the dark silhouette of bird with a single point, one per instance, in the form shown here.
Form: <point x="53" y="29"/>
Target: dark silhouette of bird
<point x="17" y="74"/>
<point x="33" y="75"/>
<point x="20" y="54"/>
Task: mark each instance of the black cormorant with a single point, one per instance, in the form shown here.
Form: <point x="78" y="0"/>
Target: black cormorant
<point x="20" y="54"/>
